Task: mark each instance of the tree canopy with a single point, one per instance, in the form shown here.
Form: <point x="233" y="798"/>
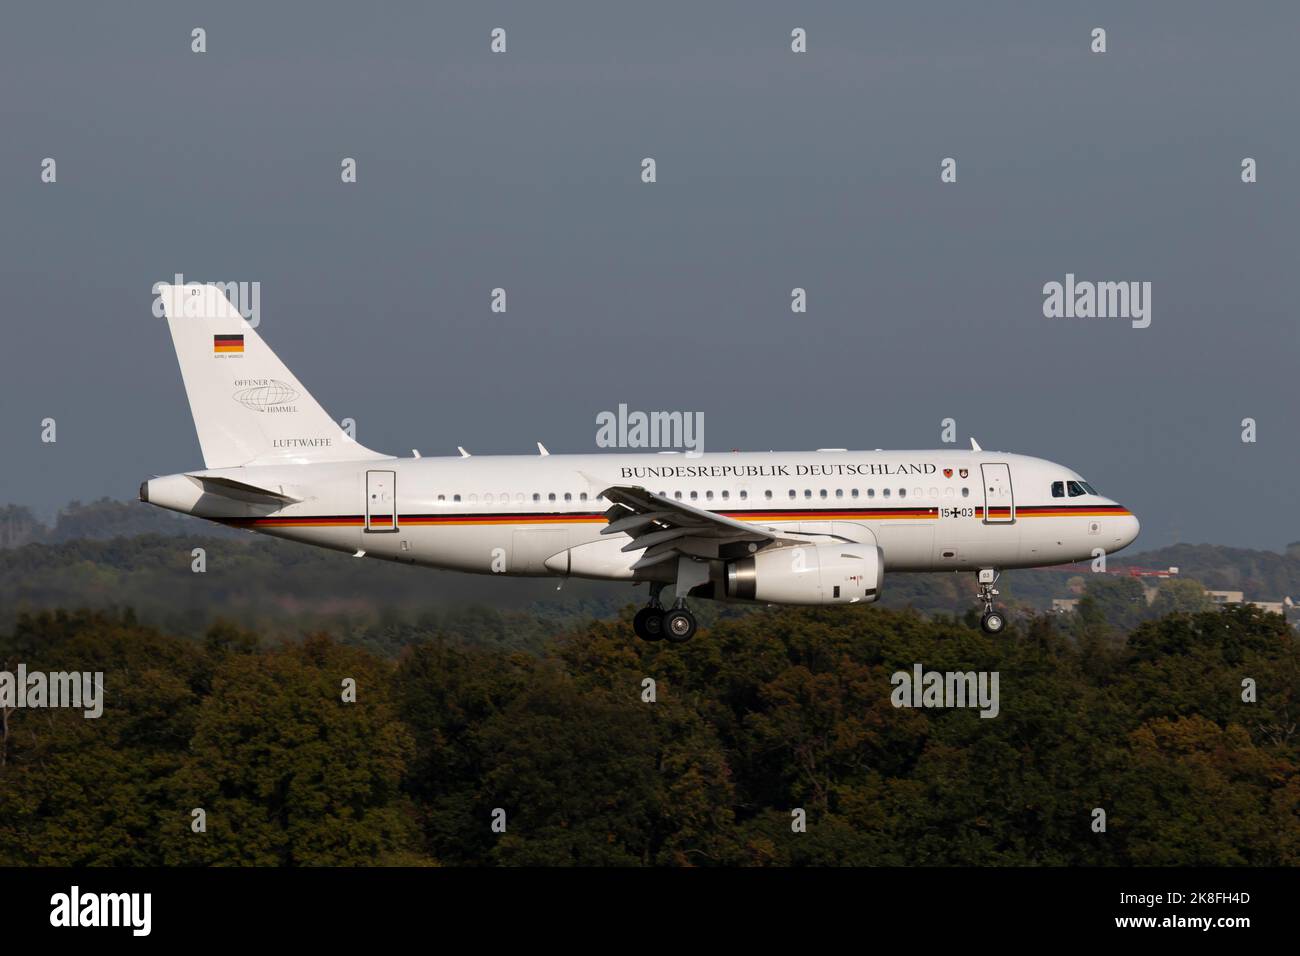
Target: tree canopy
<point x="579" y="760"/>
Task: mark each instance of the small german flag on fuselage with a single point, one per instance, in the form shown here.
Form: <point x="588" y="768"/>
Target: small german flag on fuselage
<point x="228" y="343"/>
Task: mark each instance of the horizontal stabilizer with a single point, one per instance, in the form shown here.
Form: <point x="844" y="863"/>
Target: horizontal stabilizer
<point x="242" y="490"/>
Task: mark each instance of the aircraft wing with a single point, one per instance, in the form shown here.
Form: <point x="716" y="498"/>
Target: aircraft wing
<point x="667" y="528"/>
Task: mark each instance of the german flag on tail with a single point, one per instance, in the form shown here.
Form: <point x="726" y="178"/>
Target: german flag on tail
<point x="227" y="343"/>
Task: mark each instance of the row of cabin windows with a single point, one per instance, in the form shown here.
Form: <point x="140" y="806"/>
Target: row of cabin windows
<point x="726" y="495"/>
<point x="504" y="498"/>
<point x="825" y="493"/>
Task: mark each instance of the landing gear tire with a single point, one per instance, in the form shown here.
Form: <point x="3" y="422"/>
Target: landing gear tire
<point x="649" y="623"/>
<point x="679" y="625"/>
<point x="993" y="622"/>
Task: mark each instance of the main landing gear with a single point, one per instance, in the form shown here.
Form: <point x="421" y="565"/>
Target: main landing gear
<point x="679" y="623"/>
<point x="992" y="622"/>
<point x="653" y="623"/>
<point x="649" y="623"/>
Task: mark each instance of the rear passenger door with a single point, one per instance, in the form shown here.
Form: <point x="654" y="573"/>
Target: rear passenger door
<point x="381" y="501"/>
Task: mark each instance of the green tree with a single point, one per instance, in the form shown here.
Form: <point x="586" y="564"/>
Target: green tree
<point x="91" y="792"/>
<point x="1180" y="596"/>
<point x="289" y="773"/>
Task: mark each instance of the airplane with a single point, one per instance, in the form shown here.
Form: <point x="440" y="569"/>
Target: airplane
<point x="799" y="528"/>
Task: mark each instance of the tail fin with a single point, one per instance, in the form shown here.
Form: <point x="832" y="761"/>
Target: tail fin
<point x="247" y="406"/>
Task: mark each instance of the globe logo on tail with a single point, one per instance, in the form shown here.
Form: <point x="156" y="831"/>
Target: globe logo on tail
<point x="267" y="394"/>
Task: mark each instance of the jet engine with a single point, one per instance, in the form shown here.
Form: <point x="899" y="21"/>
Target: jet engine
<point x="837" y="573"/>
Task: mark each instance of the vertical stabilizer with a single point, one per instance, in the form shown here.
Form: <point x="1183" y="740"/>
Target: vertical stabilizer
<point x="248" y="407"/>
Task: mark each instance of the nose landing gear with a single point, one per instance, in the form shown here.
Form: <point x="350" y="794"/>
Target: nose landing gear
<point x="992" y="622"/>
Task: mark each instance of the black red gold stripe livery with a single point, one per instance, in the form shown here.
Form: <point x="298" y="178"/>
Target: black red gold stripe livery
<point x="576" y="517"/>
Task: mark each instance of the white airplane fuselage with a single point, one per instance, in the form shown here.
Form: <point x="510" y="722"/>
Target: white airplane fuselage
<point x="820" y="527"/>
<point x="542" y="515"/>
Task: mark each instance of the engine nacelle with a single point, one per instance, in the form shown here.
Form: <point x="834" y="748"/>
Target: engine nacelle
<point x="844" y="573"/>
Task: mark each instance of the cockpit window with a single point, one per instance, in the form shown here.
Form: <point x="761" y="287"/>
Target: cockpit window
<point x="1077" y="488"/>
<point x="1058" y="489"/>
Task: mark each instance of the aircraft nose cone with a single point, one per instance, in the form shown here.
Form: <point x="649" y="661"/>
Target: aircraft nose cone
<point x="1130" y="529"/>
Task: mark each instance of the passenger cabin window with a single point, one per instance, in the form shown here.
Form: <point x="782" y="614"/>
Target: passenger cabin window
<point x="745" y="494"/>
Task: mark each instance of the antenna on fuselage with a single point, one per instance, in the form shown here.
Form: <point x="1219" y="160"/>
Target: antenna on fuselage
<point x="974" y="445"/>
<point x="541" y="449"/>
<point x="463" y="452"/>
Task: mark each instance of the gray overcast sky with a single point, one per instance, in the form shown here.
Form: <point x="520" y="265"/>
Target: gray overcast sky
<point x="775" y="170"/>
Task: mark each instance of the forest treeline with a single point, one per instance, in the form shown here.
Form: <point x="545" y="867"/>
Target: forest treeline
<point x="94" y="556"/>
<point x="760" y="715"/>
<point x="97" y="520"/>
